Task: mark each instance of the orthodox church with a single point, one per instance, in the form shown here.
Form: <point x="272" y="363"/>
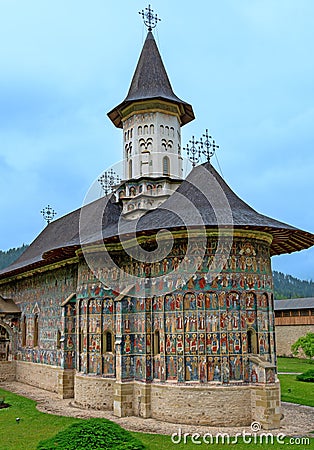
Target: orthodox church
<point x="155" y="300"/>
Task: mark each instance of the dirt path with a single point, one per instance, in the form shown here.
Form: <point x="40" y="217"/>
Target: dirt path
<point x="298" y="420"/>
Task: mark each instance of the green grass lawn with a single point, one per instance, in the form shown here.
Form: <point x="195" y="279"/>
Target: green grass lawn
<point x="294" y="364"/>
<point x="296" y="391"/>
<point x="35" y="426"/>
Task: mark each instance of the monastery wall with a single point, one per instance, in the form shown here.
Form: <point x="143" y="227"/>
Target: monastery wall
<point x="38" y="375"/>
<point x="286" y="335"/>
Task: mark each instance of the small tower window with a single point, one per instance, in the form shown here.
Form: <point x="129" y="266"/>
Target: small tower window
<point x="151" y="129"/>
<point x="166" y="166"/>
<point x="130" y="168"/>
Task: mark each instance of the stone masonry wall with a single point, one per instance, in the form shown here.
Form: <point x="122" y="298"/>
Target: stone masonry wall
<point x="91" y="392"/>
<point x="39" y="375"/>
<point x="214" y="406"/>
<point x="286" y="335"/>
<point x="7" y="371"/>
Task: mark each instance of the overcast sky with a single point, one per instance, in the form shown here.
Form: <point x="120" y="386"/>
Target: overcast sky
<point x="246" y="66"/>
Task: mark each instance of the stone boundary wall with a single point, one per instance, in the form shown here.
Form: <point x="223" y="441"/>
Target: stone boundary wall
<point x="286" y="335"/>
<point x="7" y="370"/>
<point x="92" y="392"/>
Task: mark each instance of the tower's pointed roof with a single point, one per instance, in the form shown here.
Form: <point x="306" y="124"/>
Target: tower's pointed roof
<point x="150" y="81"/>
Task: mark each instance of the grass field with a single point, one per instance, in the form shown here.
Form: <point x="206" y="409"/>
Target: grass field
<point x="294" y="364"/>
<point x="296" y="391"/>
<point x="33" y="426"/>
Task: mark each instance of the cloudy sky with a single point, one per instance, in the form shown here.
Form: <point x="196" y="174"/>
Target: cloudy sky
<point x="246" y="66"/>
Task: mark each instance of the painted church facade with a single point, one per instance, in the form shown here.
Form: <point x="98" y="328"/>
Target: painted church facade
<point x="185" y="336"/>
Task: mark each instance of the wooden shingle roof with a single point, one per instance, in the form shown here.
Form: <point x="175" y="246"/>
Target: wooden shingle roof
<point x="203" y="191"/>
<point x="150" y="81"/>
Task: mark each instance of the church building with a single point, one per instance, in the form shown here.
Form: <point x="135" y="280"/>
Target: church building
<point x="155" y="300"/>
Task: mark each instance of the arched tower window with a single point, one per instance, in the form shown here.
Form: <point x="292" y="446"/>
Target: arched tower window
<point x="165" y="165"/>
<point x="24" y="331"/>
<point x="35" y="337"/>
<point x="130" y="168"/>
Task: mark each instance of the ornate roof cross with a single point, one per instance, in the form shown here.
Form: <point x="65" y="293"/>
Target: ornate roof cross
<point x="150" y="19"/>
<point x="48" y="214"/>
<point x="193" y="152"/>
<point x="208" y="146"/>
<point x="108" y="180"/>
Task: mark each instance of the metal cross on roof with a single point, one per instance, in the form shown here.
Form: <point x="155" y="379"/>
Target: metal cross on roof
<point x="208" y="146"/>
<point x="150" y="19"/>
<point x="108" y="179"/>
<point x="193" y="152"/>
<point x="48" y="213"/>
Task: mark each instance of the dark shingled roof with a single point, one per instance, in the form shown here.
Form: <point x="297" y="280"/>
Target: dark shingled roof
<point x="202" y="199"/>
<point x="294" y="303"/>
<point x="150" y="81"/>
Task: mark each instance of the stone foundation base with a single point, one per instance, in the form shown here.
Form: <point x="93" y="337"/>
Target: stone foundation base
<point x="46" y="377"/>
<point x="94" y="392"/>
<point x="7" y="370"/>
<point x="212" y="405"/>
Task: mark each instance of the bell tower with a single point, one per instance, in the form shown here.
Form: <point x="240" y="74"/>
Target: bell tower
<point x="151" y="117"/>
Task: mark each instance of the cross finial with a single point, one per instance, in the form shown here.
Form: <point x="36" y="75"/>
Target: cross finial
<point x="150" y="19"/>
<point x="48" y="214"/>
<point x="108" y="180"/>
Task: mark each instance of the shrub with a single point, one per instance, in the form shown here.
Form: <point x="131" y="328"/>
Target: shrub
<point x="93" y="434"/>
<point x="307" y="376"/>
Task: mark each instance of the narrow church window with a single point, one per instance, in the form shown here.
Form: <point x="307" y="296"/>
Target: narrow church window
<point x="35" y="337"/>
<point x="162" y="129"/>
<point x="151" y="129"/>
<point x="58" y="339"/>
<point x="166" y="166"/>
<point x="140" y="130"/>
<point x="24" y="331"/>
<point x="252" y="341"/>
<point x="108" y="342"/>
<point x="156" y="343"/>
<point x="145" y="129"/>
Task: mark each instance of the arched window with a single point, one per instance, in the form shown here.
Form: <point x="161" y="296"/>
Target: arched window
<point x="156" y="343"/>
<point x="35" y="336"/>
<point x="151" y="129"/>
<point x="24" y="331"/>
<point x="130" y="168"/>
<point x="108" y="342"/>
<point x="162" y="129"/>
<point x="165" y="165"/>
<point x="145" y="129"/>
